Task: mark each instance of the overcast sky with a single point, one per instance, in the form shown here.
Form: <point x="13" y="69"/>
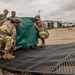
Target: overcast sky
<point x="63" y="10"/>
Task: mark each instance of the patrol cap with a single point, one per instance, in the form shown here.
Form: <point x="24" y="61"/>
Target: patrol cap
<point x="37" y="17"/>
<point x="5" y="10"/>
<point x="15" y="20"/>
<point x="18" y="21"/>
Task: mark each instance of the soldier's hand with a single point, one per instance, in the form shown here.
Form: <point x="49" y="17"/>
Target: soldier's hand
<point x="34" y="24"/>
<point x="14" y="49"/>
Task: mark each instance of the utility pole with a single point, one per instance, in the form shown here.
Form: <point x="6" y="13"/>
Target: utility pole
<point x="39" y="12"/>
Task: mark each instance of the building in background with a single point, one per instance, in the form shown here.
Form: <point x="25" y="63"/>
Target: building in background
<point x="53" y="24"/>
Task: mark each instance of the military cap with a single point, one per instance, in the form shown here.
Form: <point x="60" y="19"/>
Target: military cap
<point x="18" y="21"/>
<point x="5" y="10"/>
<point x="37" y="17"/>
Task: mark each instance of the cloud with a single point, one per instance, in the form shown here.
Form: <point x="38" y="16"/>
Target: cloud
<point x="50" y="9"/>
<point x="64" y="11"/>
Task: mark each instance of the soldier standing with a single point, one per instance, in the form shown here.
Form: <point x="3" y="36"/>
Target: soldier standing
<point x="8" y="37"/>
<point x="41" y="29"/>
<point x="3" y="16"/>
<point x="6" y="12"/>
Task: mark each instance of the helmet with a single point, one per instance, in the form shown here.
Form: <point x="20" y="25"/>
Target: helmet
<point x="37" y="17"/>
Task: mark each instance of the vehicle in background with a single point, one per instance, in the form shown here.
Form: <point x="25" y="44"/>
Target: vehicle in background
<point x="67" y="24"/>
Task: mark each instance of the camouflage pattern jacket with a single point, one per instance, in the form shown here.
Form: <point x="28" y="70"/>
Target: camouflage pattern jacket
<point x="41" y="27"/>
<point x="2" y="19"/>
<point x="8" y="29"/>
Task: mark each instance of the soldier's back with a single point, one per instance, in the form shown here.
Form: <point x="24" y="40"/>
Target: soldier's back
<point x="2" y="17"/>
<point x="6" y="27"/>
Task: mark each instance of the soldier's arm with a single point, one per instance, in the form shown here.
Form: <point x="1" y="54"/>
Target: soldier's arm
<point x="44" y="26"/>
<point x="13" y="35"/>
<point x="1" y="23"/>
<point x="37" y="27"/>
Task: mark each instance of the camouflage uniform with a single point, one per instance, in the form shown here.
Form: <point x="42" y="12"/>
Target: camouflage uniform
<point x="42" y="30"/>
<point x="7" y="36"/>
<point x="14" y="17"/>
<point x="2" y="19"/>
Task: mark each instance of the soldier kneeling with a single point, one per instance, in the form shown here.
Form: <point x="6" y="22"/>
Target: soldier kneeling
<point x="8" y="37"/>
<point x="41" y="29"/>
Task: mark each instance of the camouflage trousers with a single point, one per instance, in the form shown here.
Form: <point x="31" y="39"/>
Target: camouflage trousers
<point x="6" y="43"/>
<point x="43" y="34"/>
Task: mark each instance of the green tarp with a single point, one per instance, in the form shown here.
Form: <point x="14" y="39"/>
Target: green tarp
<point x="26" y="34"/>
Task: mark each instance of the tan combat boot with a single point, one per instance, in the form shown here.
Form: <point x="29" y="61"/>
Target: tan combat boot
<point x="43" y="44"/>
<point x="5" y="55"/>
<point x="8" y="56"/>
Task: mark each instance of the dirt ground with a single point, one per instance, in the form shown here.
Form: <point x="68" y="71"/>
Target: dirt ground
<point x="58" y="36"/>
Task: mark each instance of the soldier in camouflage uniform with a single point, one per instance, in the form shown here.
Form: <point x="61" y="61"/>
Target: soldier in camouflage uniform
<point x="42" y="30"/>
<point x="13" y="15"/>
<point x="3" y="17"/>
<point x="8" y="37"/>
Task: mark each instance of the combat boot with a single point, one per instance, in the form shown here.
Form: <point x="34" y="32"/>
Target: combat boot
<point x="8" y="56"/>
<point x="43" y="44"/>
<point x="5" y="55"/>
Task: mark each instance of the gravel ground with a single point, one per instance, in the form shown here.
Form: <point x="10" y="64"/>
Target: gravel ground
<point x="58" y="36"/>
